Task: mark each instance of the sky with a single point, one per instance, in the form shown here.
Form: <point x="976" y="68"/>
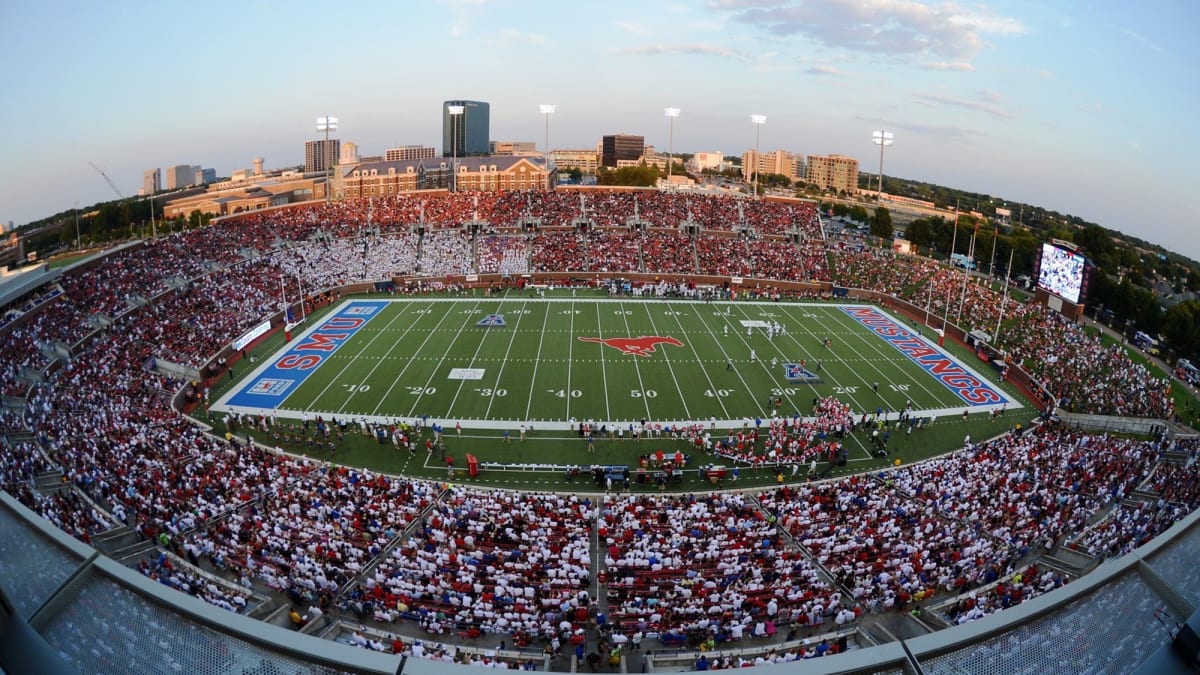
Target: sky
<point x="1080" y="107"/>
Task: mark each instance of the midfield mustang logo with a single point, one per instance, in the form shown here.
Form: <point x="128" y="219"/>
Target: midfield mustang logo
<point x="638" y="346"/>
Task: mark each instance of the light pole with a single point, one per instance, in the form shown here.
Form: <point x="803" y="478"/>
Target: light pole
<point x="327" y="124"/>
<point x="882" y="139"/>
<point x="758" y="121"/>
<point x="77" y="247"/>
<point x="455" y="111"/>
<point x="671" y="113"/>
<point x="547" y="110"/>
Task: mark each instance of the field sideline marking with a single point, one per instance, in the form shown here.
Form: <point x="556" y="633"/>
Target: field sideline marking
<point x="449" y="346"/>
<point x="637" y="366"/>
<point x="777" y="350"/>
<point x="670" y="366"/>
<point x="536" y="362"/>
<point x="603" y="370"/>
<point x="566" y="424"/>
<point x="333" y="380"/>
<point x="500" y="372"/>
<point x="396" y="379"/>
<point x="875" y="345"/>
<point x="707" y="376"/>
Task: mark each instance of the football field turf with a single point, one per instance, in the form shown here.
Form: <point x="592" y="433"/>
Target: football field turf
<point x="497" y="362"/>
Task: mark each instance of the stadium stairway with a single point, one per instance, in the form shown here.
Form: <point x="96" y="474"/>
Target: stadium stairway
<point x="17" y="437"/>
<point x="49" y="482"/>
<point x="122" y="544"/>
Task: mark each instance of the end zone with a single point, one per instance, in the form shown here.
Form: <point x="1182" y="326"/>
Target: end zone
<point x="969" y="385"/>
<point x="271" y="383"/>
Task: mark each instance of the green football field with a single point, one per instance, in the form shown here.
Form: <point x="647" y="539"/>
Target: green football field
<point x="564" y="358"/>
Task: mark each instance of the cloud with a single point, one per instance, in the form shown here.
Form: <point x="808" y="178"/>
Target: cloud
<point x="685" y="48"/>
<point x="989" y="104"/>
<point x="896" y="27"/>
<point x="635" y="28"/>
<point x="948" y="65"/>
<point x="463" y="11"/>
<point x="1043" y="73"/>
<point x="822" y="69"/>
<point x="948" y="131"/>
<point x="1144" y="41"/>
<point x="514" y="35"/>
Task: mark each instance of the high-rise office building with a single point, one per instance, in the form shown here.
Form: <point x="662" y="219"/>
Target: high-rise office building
<point x="833" y="172"/>
<point x="467" y="134"/>
<point x="407" y="152"/>
<point x="320" y="155"/>
<point x="779" y="162"/>
<point x="151" y="181"/>
<point x="204" y="176"/>
<point x="618" y="147"/>
<point x="180" y="175"/>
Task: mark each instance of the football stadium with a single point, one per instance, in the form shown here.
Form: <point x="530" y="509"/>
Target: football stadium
<point x="577" y="429"/>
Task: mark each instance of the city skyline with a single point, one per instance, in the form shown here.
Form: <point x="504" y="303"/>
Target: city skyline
<point x="1078" y="108"/>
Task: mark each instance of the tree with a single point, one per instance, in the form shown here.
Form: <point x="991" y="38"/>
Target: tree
<point x="641" y="175"/>
<point x="919" y="232"/>
<point x="881" y="223"/>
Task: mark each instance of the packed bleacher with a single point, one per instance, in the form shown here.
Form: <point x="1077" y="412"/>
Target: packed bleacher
<point x="488" y="562"/>
<point x="676" y="564"/>
<point x="472" y="559"/>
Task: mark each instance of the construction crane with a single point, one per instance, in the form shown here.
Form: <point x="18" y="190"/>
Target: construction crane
<point x="107" y="180"/>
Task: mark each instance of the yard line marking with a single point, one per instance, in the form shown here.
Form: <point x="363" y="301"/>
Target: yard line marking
<point x="724" y="353"/>
<point x="711" y="384"/>
<point x="782" y="355"/>
<point x="449" y="348"/>
<point x="603" y="371"/>
<point x="638" y="367"/>
<point x="333" y="380"/>
<point x="824" y="372"/>
<point x="536" y="363"/>
<point x="570" y="359"/>
<point x="396" y="380"/>
<point x="671" y="368"/>
<point x="875" y="345"/>
<point x="463" y="383"/>
<point x="512" y="338"/>
<point x="380" y="359"/>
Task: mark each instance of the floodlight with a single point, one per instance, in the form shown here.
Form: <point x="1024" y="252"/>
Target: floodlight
<point x="671" y="112"/>
<point x="546" y="109"/>
<point x="758" y="119"/>
<point x="882" y="137"/>
<point x="456" y="109"/>
<point x="327" y="124"/>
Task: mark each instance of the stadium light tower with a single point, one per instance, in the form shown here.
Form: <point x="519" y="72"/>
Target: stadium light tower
<point x="547" y="110"/>
<point x="455" y="111"/>
<point x="327" y="124"/>
<point x="882" y="139"/>
<point x="758" y="121"/>
<point x="671" y="114"/>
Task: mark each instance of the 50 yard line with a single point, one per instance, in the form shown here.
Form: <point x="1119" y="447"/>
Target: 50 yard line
<point x="666" y="358"/>
<point x="603" y="371"/>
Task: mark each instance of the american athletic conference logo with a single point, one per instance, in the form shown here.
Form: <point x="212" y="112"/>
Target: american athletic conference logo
<point x="643" y="345"/>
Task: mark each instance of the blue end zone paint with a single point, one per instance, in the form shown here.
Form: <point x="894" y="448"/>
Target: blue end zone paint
<point x="270" y="386"/>
<point x="969" y="386"/>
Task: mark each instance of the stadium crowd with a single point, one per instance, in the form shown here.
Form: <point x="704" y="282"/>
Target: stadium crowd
<point x="468" y="559"/>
